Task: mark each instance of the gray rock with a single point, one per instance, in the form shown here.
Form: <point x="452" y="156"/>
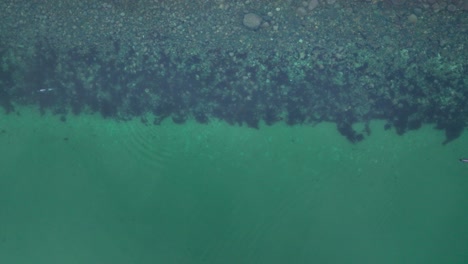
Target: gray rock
<point x="252" y="21"/>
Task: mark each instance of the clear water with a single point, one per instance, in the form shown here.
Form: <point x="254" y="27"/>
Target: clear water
<point x="97" y="191"/>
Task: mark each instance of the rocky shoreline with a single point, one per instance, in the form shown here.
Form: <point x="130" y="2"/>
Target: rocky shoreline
<point x="244" y="63"/>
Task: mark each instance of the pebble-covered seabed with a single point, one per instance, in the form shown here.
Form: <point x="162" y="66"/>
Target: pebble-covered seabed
<point x="244" y="62"/>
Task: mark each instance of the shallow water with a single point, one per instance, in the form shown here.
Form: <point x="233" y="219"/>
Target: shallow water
<point x="97" y="191"/>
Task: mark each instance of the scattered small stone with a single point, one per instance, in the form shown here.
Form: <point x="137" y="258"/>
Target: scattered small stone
<point x="301" y="11"/>
<point x="442" y="5"/>
<point x="313" y="4"/>
<point x="418" y="11"/>
<point x="412" y="19"/>
<point x="252" y="21"/>
<point x="398" y="2"/>
<point x="451" y="8"/>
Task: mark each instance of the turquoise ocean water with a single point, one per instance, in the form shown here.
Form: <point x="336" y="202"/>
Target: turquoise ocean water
<point x="91" y="190"/>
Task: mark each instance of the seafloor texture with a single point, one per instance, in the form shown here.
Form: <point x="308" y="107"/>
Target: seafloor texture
<point x="243" y="62"/>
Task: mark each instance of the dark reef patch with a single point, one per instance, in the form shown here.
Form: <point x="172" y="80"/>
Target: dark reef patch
<point x="168" y="90"/>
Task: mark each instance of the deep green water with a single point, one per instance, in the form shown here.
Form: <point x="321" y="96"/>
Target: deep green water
<point x="96" y="191"/>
